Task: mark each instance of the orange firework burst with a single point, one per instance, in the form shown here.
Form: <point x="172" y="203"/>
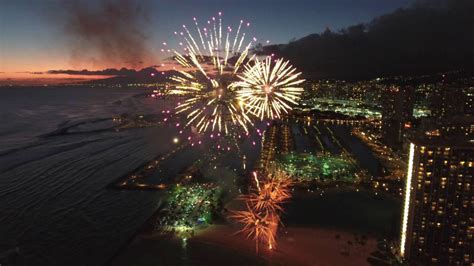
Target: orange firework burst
<point x="273" y="191"/>
<point x="261" y="226"/>
<point x="262" y="216"/>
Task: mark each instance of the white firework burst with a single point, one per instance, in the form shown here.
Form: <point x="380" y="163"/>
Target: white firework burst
<point x="268" y="88"/>
<point x="211" y="63"/>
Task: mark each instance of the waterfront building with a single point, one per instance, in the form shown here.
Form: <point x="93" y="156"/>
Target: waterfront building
<point x="438" y="217"/>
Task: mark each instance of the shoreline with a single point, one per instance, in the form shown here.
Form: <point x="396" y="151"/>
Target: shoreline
<point x="296" y="246"/>
<point x="325" y="243"/>
<point x="132" y="238"/>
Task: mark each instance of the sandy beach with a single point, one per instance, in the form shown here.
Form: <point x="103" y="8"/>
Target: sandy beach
<point x="296" y="246"/>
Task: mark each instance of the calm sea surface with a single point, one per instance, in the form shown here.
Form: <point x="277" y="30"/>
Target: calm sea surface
<point x="54" y="204"/>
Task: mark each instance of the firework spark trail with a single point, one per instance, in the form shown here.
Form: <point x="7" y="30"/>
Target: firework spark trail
<point x="260" y="226"/>
<point x="209" y="77"/>
<point x="273" y="191"/>
<point x="269" y="89"/>
<point x="255" y="176"/>
<point x="263" y="208"/>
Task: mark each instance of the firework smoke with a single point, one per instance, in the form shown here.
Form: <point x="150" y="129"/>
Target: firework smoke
<point x="107" y="33"/>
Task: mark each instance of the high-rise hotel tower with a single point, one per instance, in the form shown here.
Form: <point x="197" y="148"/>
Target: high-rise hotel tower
<point x="438" y="216"/>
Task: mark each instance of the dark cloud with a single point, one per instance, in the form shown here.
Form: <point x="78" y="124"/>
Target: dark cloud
<point x="108" y="32"/>
<point x="123" y="72"/>
<point x="431" y="36"/>
<point x="123" y="76"/>
<point x="105" y="72"/>
<point x="29" y="72"/>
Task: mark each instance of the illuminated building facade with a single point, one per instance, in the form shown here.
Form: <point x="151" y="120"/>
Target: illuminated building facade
<point x="449" y="101"/>
<point x="438" y="217"/>
<point x="397" y="112"/>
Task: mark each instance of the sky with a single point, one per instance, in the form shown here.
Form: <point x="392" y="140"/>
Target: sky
<point x="35" y="37"/>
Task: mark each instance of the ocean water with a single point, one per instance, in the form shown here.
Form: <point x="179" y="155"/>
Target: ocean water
<point x="54" y="202"/>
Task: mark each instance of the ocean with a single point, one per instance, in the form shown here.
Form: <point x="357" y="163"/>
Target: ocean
<point x="54" y="202"/>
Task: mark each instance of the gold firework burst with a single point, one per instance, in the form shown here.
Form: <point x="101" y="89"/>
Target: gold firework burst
<point x="211" y="63"/>
<point x="269" y="89"/>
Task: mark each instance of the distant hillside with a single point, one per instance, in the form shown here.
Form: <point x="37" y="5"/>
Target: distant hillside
<point x="423" y="39"/>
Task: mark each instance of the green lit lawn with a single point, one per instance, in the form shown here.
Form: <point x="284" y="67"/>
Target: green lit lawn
<point x="323" y="167"/>
<point x="189" y="206"/>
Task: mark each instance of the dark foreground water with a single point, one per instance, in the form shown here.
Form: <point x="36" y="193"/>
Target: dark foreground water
<point x="54" y="204"/>
<point x="357" y="211"/>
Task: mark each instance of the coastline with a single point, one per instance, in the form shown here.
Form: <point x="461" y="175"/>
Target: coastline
<point x="296" y="246"/>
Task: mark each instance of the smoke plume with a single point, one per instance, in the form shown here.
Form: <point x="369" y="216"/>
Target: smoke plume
<point x="108" y="33"/>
